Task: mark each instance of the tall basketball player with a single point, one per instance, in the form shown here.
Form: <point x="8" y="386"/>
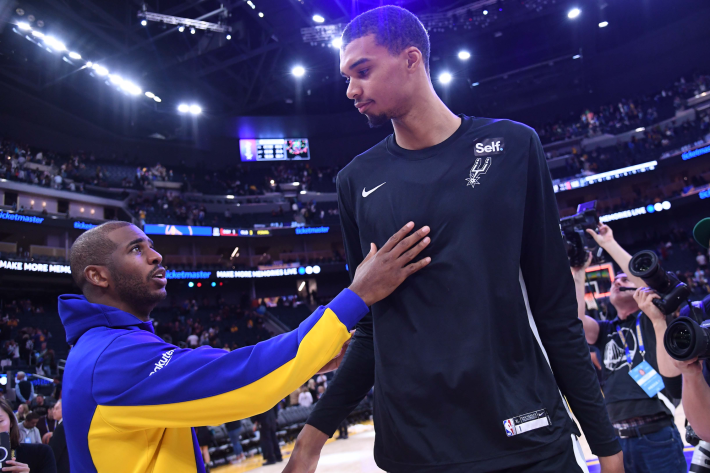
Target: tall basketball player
<point x="470" y="360"/>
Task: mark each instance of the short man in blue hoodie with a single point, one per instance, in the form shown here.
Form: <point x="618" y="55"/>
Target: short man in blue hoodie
<point x="130" y="399"/>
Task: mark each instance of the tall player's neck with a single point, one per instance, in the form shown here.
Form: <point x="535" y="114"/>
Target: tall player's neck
<point x="428" y="122"/>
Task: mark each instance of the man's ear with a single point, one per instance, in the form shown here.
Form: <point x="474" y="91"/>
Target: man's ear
<point x="415" y="60"/>
<point x="97" y="275"/>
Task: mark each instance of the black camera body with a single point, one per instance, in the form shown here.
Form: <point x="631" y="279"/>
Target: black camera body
<point x="577" y="241"/>
<point x="645" y="265"/>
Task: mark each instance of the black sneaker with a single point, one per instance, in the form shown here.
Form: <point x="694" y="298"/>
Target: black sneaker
<point x="270" y="462"/>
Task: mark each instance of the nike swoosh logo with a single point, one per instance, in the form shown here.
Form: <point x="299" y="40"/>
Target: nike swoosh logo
<point x="365" y="193"/>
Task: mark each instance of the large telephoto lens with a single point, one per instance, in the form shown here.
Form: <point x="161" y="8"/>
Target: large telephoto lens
<point x="685" y="339"/>
<point x="645" y="265"/>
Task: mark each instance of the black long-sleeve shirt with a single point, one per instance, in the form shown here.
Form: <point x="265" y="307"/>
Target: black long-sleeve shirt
<point x="462" y="347"/>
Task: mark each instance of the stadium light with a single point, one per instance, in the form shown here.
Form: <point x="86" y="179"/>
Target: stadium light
<point x="445" y="78"/>
<point x="38" y="34"/>
<point x="603" y="24"/>
<point x="576" y="56"/>
<point x="100" y="70"/>
<point x="261" y="14"/>
<point x="115" y="79"/>
<point x="144" y="23"/>
<point x="157" y="99"/>
<point x="318" y="18"/>
<point x="183" y="108"/>
<point x="337" y="42"/>
<point x="150" y="95"/>
<point x="192" y="30"/>
<point x="54" y="43"/>
<point x="574" y="13"/>
<point x="640" y="129"/>
<point x="181" y="28"/>
<point x="298" y="71"/>
<point x="131" y="88"/>
<point x="463" y="55"/>
<point x="24" y="26"/>
<point x="195" y="109"/>
<point x="74" y="55"/>
<point x="485" y="12"/>
<point x="229" y="36"/>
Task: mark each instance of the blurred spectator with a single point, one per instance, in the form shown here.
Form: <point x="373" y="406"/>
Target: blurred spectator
<point x="305" y="399"/>
<point x="24" y="390"/>
<point x="28" y="429"/>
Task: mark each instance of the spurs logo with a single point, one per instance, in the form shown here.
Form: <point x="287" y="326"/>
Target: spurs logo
<point x="479" y="169"/>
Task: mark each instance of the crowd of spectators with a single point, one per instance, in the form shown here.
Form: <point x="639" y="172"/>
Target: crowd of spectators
<point x="25" y="345"/>
<point x="650" y="146"/>
<point x="626" y="114"/>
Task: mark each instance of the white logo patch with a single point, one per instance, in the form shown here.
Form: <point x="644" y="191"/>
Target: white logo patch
<point x="479" y="169"/>
<point x="614" y="353"/>
<point x="365" y="193"/>
<point x="163" y="362"/>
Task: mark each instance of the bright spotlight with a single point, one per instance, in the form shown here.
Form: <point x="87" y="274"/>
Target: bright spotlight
<point x="54" y="43"/>
<point x="100" y="70"/>
<point x="183" y="108"/>
<point x="261" y="14"/>
<point x="576" y="56"/>
<point x="298" y="71"/>
<point x="318" y="18"/>
<point x="115" y="79"/>
<point x="157" y="99"/>
<point x="445" y="78"/>
<point x="89" y="64"/>
<point x="24" y="26"/>
<point x="463" y="55"/>
<point x="144" y="23"/>
<point x="640" y="129"/>
<point x="574" y="13"/>
<point x="131" y="88"/>
<point x="150" y="95"/>
<point x="304" y="192"/>
<point x="38" y="34"/>
<point x="337" y="42"/>
<point x="603" y="24"/>
<point x="74" y="55"/>
<point x="229" y="36"/>
<point x="192" y="30"/>
<point x="181" y="28"/>
<point x="485" y="12"/>
<point x="195" y="109"/>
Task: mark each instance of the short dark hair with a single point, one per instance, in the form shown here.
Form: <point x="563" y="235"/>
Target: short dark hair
<point x="394" y="28"/>
<point x="32" y="416"/>
<point x="92" y="247"/>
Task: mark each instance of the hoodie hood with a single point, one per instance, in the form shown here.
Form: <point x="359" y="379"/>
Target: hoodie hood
<point x="79" y="316"/>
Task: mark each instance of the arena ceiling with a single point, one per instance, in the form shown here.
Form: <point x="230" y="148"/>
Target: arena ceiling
<point x="521" y="53"/>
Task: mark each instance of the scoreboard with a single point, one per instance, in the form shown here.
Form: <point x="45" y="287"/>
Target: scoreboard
<point x="278" y="149"/>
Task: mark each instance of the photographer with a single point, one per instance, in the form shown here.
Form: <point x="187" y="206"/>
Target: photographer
<point x="642" y="413"/>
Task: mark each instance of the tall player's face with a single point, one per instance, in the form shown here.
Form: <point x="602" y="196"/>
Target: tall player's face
<point x="378" y="82"/>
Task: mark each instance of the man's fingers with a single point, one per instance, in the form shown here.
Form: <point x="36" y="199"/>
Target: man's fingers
<point x="413" y="252"/>
<point x="397" y="237"/>
<point x="408" y="242"/>
<point x="414" y="267"/>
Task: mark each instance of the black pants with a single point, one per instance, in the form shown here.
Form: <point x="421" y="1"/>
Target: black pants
<point x="269" y="443"/>
<point x="565" y="462"/>
<point x="343" y="429"/>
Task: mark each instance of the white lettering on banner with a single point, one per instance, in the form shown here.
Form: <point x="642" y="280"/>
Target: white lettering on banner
<point x="35" y="267"/>
<point x="622" y="215"/>
<point x="267" y="273"/>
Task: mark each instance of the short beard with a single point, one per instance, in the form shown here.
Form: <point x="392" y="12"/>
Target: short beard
<point x="133" y="290"/>
<point x="376" y="121"/>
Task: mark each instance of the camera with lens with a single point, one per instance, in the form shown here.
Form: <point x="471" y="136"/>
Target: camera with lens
<point x="577" y="241"/>
<point x="688" y="336"/>
<point x="645" y="265"/>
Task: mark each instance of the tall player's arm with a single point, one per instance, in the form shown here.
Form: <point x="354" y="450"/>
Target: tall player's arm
<point x="356" y="374"/>
<point x="552" y="303"/>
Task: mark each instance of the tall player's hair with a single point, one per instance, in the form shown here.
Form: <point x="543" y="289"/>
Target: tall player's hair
<point x="394" y="28"/>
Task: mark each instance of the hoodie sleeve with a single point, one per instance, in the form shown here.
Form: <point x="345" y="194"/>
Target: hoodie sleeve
<point x="142" y="382"/>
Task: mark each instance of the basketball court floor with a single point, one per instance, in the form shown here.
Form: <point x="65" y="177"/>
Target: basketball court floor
<point x="354" y="455"/>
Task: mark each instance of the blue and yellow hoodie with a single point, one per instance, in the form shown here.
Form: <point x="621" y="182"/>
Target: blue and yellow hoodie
<point x="131" y="400"/>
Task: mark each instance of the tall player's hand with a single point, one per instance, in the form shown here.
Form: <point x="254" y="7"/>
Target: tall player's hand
<point x="383" y="270"/>
<point x="612" y="464"/>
